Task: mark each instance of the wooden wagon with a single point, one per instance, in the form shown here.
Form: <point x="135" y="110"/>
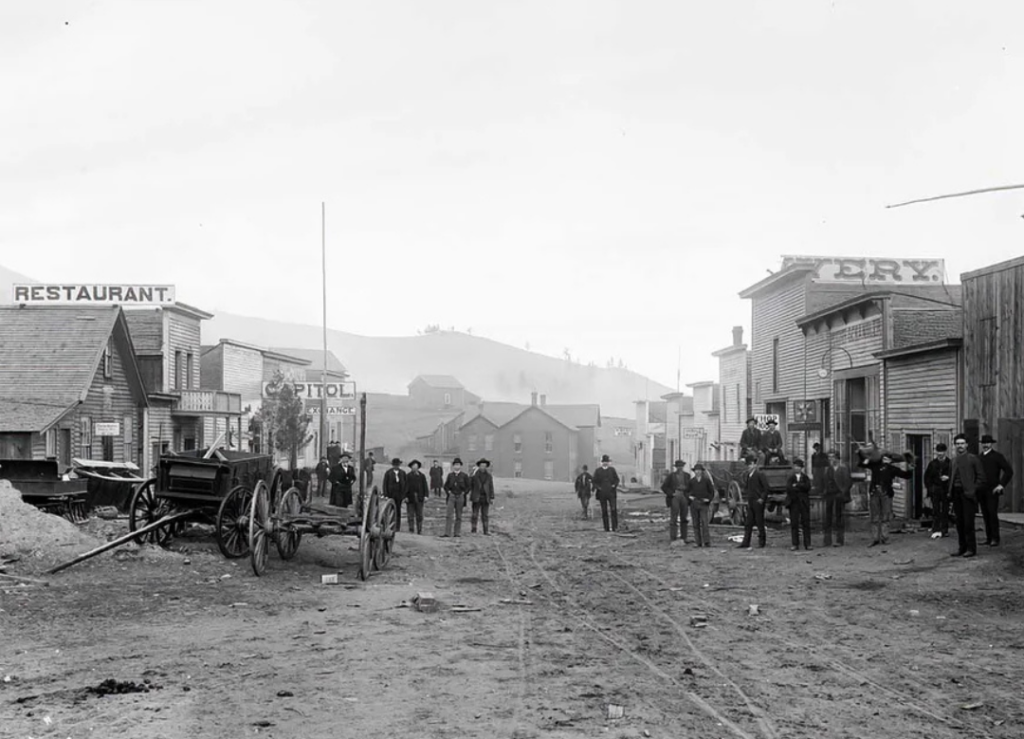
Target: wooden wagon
<point x="731" y="502"/>
<point x="41" y="485"/>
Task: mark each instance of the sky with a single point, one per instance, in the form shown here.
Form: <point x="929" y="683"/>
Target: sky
<point x="602" y="177"/>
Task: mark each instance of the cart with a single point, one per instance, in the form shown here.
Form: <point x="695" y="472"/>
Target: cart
<point x="728" y="475"/>
<point x="217" y="487"/>
<point x="41" y="485"/>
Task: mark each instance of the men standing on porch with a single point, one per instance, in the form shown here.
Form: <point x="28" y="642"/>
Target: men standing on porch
<point x="755" y="489"/>
<point x="677" y="495"/>
<point x="998" y="474"/>
<point x="394" y="487"/>
<point x="606" y="485"/>
<point x="750" y="439"/>
<point x="967" y="478"/>
<point x="456" y="486"/>
<point x="702" y="492"/>
<point x="836" y="494"/>
<point x="798" y="495"/>
<point x="936" y="482"/>
<point x="415" y="494"/>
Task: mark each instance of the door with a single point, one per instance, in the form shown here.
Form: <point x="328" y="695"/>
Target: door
<point x="1011" y="444"/>
<point x="64" y="453"/>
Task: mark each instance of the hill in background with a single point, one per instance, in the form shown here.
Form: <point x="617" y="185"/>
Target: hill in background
<point x="492" y="370"/>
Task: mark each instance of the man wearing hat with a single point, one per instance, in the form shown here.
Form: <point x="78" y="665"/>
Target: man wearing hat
<point x="836" y="494"/>
<point x="342" y="477"/>
<point x="436" y="478"/>
<point x="750" y="439"/>
<point x="415" y="493"/>
<point x="368" y="465"/>
<point x="394" y="488"/>
<point x="702" y="492"/>
<point x="755" y="486"/>
<point x="456" y="486"/>
<point x="677" y="497"/>
<point x="998" y="474"/>
<point x="606" y="483"/>
<point x="936" y="482"/>
<point x="771" y="444"/>
<point x="881" y="492"/>
<point x="798" y="497"/>
<point x="584" y="489"/>
<point x="819" y="463"/>
<point x="481" y="494"/>
<point x="967" y="478"/>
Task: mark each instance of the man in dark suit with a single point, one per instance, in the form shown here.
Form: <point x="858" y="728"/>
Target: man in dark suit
<point x="456" y="486"/>
<point x="342" y="477"/>
<point x="415" y="493"/>
<point x="998" y="474"/>
<point x="677" y="497"/>
<point x="584" y="489"/>
<point x="771" y="444"/>
<point x="750" y="439"/>
<point x="798" y="495"/>
<point x="481" y="495"/>
<point x="936" y="482"/>
<point x="819" y="463"/>
<point x="323" y="470"/>
<point x="606" y="483"/>
<point x="754" y="484"/>
<point x="967" y="478"/>
<point x="394" y="487"/>
<point x="436" y="478"/>
<point x="836" y="495"/>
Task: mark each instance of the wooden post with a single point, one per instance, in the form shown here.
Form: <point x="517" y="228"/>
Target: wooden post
<point x="362" y="444"/>
<point x="122" y="540"/>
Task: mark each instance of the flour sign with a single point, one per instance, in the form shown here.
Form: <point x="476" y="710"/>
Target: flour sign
<point x="872" y="270"/>
<point x="763" y="419"/>
<point x="80" y="294"/>
<point x="107" y="429"/>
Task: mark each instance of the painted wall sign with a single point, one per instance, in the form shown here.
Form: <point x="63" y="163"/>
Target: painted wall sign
<point x="315" y="390"/>
<point x="107" y="429"/>
<point x="873" y="270"/>
<point x="763" y="418"/>
<point x="333" y="410"/>
<point x="93" y="294"/>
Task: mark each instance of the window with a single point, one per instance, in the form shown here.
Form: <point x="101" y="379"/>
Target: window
<point x="447" y="398"/>
<point x="51" y="443"/>
<point x="15" y="446"/>
<point x="189" y="367"/>
<point x="178" y="368"/>
<point x="488" y="442"/>
<point x="86" y="434"/>
<point x="471" y="442"/>
<point x="775" y="364"/>
<point x="549" y="470"/>
<point x="549" y="445"/>
<point x="517" y="442"/>
<point x="128" y="438"/>
<point x="517" y="468"/>
<point x="108" y="359"/>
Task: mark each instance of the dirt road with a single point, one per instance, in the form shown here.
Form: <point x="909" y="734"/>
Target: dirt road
<point x="902" y="641"/>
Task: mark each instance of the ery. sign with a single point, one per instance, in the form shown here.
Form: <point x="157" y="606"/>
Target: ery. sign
<point x="872" y="270"/>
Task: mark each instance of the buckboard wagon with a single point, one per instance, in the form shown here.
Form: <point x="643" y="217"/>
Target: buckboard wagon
<point x="732" y="502"/>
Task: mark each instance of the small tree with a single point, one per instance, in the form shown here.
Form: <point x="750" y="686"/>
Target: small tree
<point x="284" y="417"/>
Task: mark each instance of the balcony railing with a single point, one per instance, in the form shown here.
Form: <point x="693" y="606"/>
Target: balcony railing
<point x="208" y="402"/>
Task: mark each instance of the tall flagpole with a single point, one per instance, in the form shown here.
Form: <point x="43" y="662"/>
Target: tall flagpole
<point x="323" y="373"/>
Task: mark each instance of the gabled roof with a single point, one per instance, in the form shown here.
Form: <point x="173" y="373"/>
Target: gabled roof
<point x="922" y="348"/>
<point x="315" y="357"/>
<point x="578" y="416"/>
<point x="776" y="279"/>
<point x="498" y="413"/>
<point x="947" y="296"/>
<point x="443" y="382"/>
<point x="543" y="410"/>
<point x="267" y="353"/>
<point x="49" y="356"/>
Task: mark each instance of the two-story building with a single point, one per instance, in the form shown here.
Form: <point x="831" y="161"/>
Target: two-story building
<point x="183" y="413"/>
<point x="650" y="445"/>
<point x="70" y="386"/>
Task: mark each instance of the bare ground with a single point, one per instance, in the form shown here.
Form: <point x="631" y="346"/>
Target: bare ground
<point x="902" y="641"/>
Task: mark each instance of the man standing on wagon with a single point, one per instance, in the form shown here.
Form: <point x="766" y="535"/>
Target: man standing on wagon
<point x="606" y="483"/>
<point x="394" y="488"/>
<point x="415" y="494"/>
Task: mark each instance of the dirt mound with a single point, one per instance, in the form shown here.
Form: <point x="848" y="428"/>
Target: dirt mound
<point x="25" y="529"/>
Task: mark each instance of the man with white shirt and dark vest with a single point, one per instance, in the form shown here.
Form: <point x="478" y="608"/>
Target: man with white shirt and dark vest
<point x="998" y="474"/>
<point x="967" y="478"/>
<point x="394" y="488"/>
<point x="606" y="484"/>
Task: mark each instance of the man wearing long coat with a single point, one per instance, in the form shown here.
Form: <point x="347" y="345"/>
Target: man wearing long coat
<point x="606" y="483"/>
<point x="481" y="495"/>
<point x="967" y="479"/>
<point x="342" y="477"/>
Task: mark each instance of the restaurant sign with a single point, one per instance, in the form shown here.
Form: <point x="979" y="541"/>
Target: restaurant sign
<point x="872" y="270"/>
<point x="81" y="294"/>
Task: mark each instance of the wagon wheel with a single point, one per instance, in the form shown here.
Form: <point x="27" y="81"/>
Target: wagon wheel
<point x="147" y="507"/>
<point x="737" y="510"/>
<point x="287" y="537"/>
<point x="387" y="517"/>
<point x="233" y="523"/>
<point x="261" y="527"/>
<point x="275" y="488"/>
<point x="369" y="509"/>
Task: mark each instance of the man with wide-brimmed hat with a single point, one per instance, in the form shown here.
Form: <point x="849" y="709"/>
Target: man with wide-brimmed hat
<point x="342" y="476"/>
<point x="606" y="484"/>
<point x="416" y="492"/>
<point x="394" y="488"/>
<point x="676" y="488"/>
<point x="456" y="486"/>
<point x="966" y="479"/>
<point x="936" y="482"/>
<point x="998" y="474"/>
<point x="702" y="492"/>
<point x="584" y="489"/>
<point x="756" y="488"/>
<point x="798" y="498"/>
<point x="771" y="444"/>
<point x="750" y="439"/>
<point x="481" y="495"/>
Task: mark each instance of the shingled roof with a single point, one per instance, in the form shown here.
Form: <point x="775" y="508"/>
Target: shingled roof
<point x="49" y="356"/>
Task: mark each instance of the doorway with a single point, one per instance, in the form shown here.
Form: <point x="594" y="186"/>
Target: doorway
<point x="920" y="445"/>
<point x="64" y="452"/>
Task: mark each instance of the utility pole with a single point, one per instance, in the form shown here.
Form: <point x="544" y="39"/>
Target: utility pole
<point x="323" y="372"/>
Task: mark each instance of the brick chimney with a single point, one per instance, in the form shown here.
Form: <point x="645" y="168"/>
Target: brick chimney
<point x="543" y="400"/>
<point x="533" y="398"/>
<point x="737" y="335"/>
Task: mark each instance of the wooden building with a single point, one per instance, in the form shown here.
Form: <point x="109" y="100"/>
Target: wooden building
<point x="734" y="395"/>
<point x="440" y="392"/>
<point x="650" y="445"/>
<point x="70" y="386"/>
<point x="994" y="364"/>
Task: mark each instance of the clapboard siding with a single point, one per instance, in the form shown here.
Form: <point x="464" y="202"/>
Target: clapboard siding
<point x="921" y="392"/>
<point x="211" y="375"/>
<point x="109" y="400"/>
<point x="182" y="334"/>
<point x="733" y="395"/>
<point x="243" y="372"/>
<point x="147" y="329"/>
<point x="774" y="317"/>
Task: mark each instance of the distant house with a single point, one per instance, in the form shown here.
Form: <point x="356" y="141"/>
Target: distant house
<point x="734" y="394"/>
<point x="70" y="385"/>
<point x="439" y="392"/>
<point x="650" y="442"/>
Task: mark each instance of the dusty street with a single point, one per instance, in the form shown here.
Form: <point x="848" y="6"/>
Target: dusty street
<point x="901" y="641"/>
